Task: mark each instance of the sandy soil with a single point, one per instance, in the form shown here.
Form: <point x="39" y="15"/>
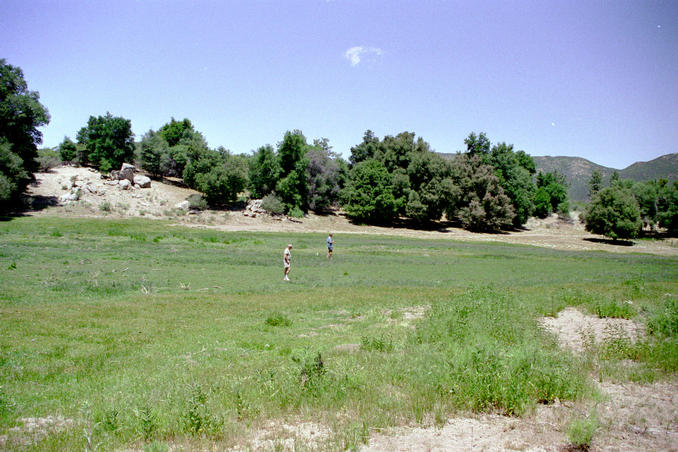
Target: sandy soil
<point x="632" y="417"/>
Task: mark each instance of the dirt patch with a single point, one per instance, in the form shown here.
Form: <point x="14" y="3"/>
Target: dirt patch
<point x="575" y="330"/>
<point x="486" y="433"/>
<point x="277" y="436"/>
<point x="160" y="200"/>
<point x="32" y="430"/>
<point x="405" y="317"/>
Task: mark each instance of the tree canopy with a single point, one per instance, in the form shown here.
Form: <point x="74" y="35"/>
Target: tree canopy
<point x="108" y="142"/>
<point x="21" y="113"/>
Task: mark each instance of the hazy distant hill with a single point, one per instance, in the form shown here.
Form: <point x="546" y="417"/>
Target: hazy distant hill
<point x="577" y="171"/>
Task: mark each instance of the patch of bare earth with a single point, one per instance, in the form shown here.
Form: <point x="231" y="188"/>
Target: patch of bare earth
<point x="31" y="430"/>
<point x="277" y="436"/>
<point x="575" y="330"/>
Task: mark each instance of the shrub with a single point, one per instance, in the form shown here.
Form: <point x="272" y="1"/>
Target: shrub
<point x="272" y="204"/>
<point x="296" y="212"/>
<point x="48" y="159"/>
<point x="197" y="202"/>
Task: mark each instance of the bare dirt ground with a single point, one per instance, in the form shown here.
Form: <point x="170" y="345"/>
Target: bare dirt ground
<point x="161" y="199"/>
<point x="632" y="416"/>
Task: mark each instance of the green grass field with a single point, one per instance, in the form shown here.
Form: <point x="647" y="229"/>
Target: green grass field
<point x="147" y="335"/>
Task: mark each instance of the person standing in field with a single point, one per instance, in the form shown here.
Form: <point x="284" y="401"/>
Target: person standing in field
<point x="330" y="245"/>
<point x="286" y="261"/>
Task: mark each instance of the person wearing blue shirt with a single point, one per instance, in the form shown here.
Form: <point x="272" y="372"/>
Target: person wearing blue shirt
<point x="330" y="245"/>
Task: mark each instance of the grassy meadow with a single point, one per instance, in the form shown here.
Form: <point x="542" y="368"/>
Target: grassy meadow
<point x="146" y="335"/>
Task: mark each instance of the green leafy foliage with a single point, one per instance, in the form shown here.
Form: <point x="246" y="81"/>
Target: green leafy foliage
<point x="21" y="114"/>
<point x="272" y="204"/>
<point x="264" y="172"/>
<point x="107" y="142"/>
<point x="614" y="213"/>
<point x="480" y="202"/>
<point x="292" y="187"/>
<point x="551" y="194"/>
<point x="68" y="151"/>
<point x="368" y="196"/>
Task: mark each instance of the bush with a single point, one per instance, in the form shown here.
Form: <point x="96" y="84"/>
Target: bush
<point x="296" y="212"/>
<point x="197" y="202"/>
<point x="272" y="204"/>
<point x="48" y="159"/>
<point x="68" y="151"/>
<point x="614" y="212"/>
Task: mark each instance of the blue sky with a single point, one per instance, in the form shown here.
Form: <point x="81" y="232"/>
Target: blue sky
<point x="596" y="79"/>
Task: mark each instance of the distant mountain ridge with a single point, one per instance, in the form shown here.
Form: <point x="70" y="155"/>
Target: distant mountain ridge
<point x="578" y="170"/>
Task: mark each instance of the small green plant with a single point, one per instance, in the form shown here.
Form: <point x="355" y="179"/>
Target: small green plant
<point x="12" y="266"/>
<point x="278" y="319"/>
<point x="580" y="432"/>
<point x="105" y="206"/>
<point x="379" y="344"/>
<point x="147" y="422"/>
<point x="56" y="234"/>
<point x="197" y="419"/>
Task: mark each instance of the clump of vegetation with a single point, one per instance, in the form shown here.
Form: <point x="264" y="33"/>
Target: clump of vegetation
<point x="382" y="343"/>
<point x="272" y="204"/>
<point x="197" y="202"/>
<point x="278" y="319"/>
<point x="47" y="159"/>
<point x="580" y="432"/>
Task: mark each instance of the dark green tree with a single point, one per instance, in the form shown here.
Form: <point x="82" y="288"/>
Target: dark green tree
<point x="514" y="171"/>
<point x="68" y="151"/>
<point x="174" y="131"/>
<point x="264" y="171"/>
<point x="477" y="144"/>
<point x="368" y="196"/>
<point x="108" y="141"/>
<point x="667" y="214"/>
<point x="551" y="194"/>
<point x="368" y="149"/>
<point x="476" y="197"/>
<point x="21" y="113"/>
<point x="613" y="212"/>
<point x="155" y="154"/>
<point x="326" y="174"/>
<point x="292" y="187"/>
<point x="595" y="183"/>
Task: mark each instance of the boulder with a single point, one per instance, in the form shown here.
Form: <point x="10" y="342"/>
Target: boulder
<point x="70" y="196"/>
<point x="142" y="181"/>
<point x="125" y="184"/>
<point x="127" y="172"/>
<point x="183" y="205"/>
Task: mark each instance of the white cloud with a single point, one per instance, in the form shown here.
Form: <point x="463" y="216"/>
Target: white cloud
<point x="354" y="54"/>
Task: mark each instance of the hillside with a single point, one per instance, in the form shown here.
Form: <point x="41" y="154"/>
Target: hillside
<point x="577" y="171"/>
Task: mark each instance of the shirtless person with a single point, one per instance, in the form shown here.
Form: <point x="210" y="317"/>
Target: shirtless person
<point x="286" y="261"/>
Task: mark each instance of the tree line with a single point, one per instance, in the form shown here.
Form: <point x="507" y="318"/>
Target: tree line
<point x="485" y="187"/>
